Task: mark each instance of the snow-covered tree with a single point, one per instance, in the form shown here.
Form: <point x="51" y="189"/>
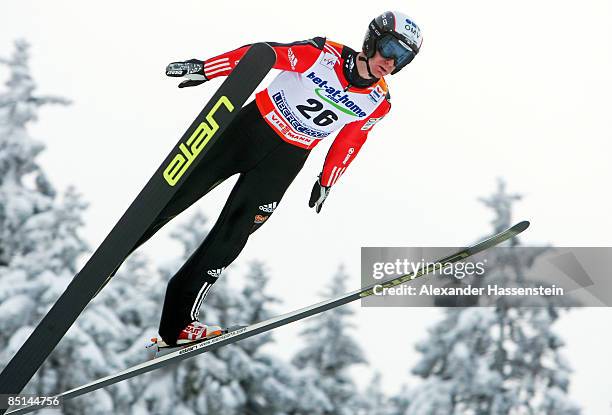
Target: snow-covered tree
<point x="27" y="198"/>
<point x="330" y="352"/>
<point x="373" y="400"/>
<point x="495" y="360"/>
<point x="39" y="243"/>
<point x="123" y="317"/>
<point x="266" y="389"/>
<point x="399" y="403"/>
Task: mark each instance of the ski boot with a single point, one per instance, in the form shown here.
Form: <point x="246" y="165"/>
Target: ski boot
<point x="195" y="332"/>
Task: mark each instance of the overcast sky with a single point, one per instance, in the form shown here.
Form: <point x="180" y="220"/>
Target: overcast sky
<point x="516" y="89"/>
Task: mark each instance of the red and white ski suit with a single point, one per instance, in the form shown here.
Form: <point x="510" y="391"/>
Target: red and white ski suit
<point x="311" y="98"/>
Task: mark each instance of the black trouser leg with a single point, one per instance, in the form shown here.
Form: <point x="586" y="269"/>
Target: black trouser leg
<point x="250" y="204"/>
<point x="223" y="160"/>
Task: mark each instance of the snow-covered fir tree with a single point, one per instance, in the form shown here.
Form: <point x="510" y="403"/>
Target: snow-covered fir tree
<point x="39" y="244"/>
<point x="266" y="390"/>
<point x="125" y="315"/>
<point x="373" y="400"/>
<point x="398" y="404"/>
<point x="498" y="360"/>
<point x="330" y="351"/>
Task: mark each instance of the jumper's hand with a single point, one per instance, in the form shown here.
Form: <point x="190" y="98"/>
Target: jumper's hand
<point x="318" y="195"/>
<point x="192" y="69"/>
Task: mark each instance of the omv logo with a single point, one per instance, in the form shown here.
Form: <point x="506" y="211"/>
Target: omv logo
<point x="412" y="28"/>
<point x="335" y="97"/>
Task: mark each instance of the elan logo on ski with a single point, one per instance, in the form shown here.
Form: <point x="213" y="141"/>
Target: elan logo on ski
<point x="194" y="145"/>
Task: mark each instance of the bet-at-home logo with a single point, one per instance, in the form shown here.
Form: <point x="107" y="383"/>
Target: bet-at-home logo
<point x="193" y="146"/>
<point x="335" y="97"/>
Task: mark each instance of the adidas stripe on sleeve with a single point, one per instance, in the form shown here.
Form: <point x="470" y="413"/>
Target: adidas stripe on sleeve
<point x="347" y="144"/>
<point x="295" y="57"/>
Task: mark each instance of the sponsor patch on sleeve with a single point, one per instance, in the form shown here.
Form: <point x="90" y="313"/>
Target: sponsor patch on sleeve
<point x="292" y="59"/>
<point x="328" y="60"/>
<point x="376" y="94"/>
<point x="370" y="123"/>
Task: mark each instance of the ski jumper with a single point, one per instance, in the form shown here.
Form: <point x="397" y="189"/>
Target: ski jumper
<point x="267" y="145"/>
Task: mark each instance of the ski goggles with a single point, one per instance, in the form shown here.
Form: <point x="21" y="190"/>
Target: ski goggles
<point x="392" y="48"/>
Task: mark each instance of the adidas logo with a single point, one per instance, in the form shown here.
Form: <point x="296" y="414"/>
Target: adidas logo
<point x="269" y="208"/>
<point x="215" y="272"/>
